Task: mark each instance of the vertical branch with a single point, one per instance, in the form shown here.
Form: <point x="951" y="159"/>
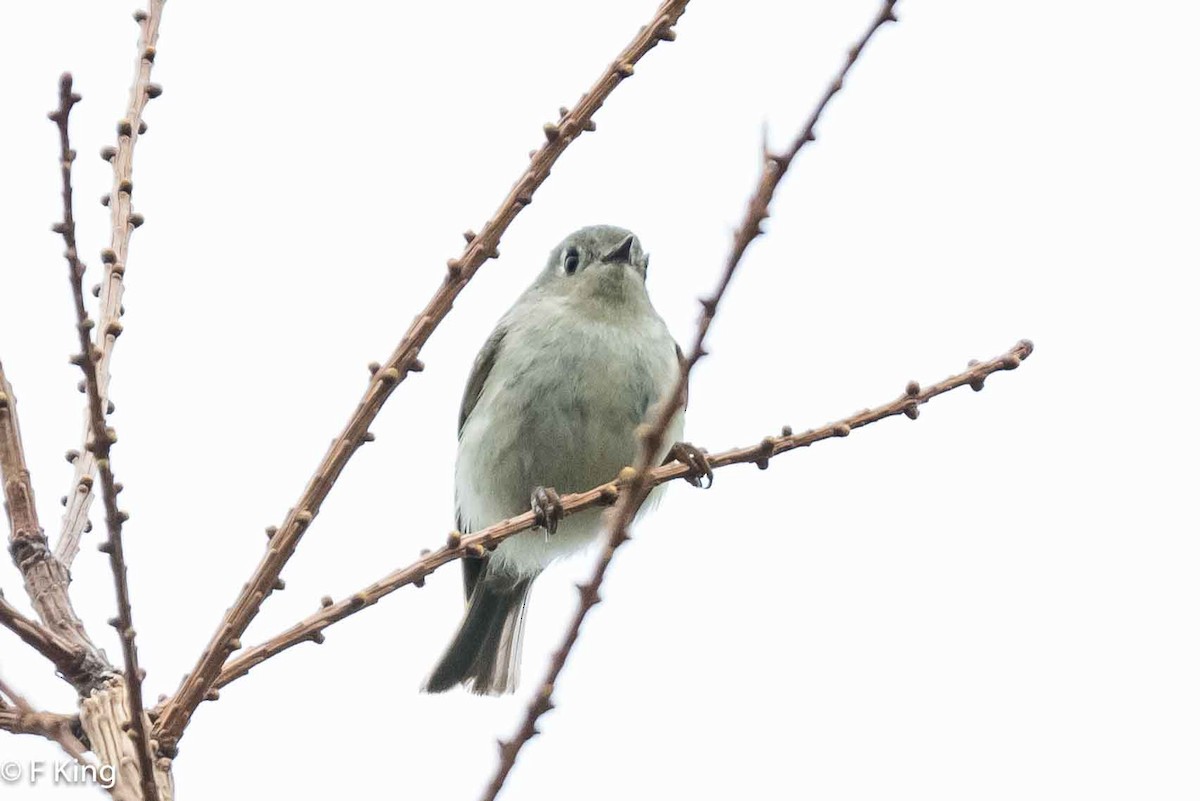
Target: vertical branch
<point x="572" y="123"/>
<point x="637" y="483"/>
<point x="111" y="290"/>
<point x="99" y="444"/>
<point x="46" y="579"/>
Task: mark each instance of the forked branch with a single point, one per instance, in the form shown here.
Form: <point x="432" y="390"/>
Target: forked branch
<point x="115" y="258"/>
<point x="100" y="444"/>
<point x="18" y="717"/>
<point x="403" y="361"/>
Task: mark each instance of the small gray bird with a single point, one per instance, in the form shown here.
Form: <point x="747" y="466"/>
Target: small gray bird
<point x="551" y="406"/>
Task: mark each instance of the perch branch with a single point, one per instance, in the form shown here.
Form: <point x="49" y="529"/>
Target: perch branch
<point x="459" y="545"/>
<point x="651" y="436"/>
<point x="100" y="445"/>
<point x="112" y="288"/>
<point x="46" y="579"/>
<point x="403" y="360"/>
<point x="18" y="717"/>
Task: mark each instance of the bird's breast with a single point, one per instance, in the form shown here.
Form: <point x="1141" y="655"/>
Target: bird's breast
<point x="560" y="407"/>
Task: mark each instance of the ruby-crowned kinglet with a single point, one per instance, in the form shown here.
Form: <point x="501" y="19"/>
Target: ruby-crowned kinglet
<point x="551" y="405"/>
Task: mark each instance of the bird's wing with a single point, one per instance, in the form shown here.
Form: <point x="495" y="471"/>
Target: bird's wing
<point x="479" y="375"/>
<point x="682" y="367"/>
<point x="473" y="566"/>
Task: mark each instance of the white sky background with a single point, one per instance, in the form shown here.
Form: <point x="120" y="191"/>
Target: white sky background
<point x="996" y="601"/>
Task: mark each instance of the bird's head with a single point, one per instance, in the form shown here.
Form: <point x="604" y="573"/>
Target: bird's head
<point x="600" y="261"/>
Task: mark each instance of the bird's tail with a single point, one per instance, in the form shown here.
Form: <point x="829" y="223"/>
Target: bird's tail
<point x="485" y="654"/>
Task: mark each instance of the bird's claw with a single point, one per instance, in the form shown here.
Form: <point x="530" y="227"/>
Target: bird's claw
<point x="547" y="509"/>
<point x="697" y="462"/>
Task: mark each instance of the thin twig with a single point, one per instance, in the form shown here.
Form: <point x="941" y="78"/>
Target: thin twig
<point x="651" y="437"/>
<point x="20" y="718"/>
<point x="100" y="444"/>
<point x="403" y="360"/>
<point x="112" y="288"/>
<point x="459" y="545"/>
<point x="46" y="579"/>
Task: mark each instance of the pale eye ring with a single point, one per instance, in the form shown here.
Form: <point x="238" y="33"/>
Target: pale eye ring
<point x="571" y="261"/>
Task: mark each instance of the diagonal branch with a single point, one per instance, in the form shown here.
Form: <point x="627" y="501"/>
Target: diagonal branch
<point x="651" y="436"/>
<point x="403" y="360"/>
<point x="100" y="445"/>
<point x="459" y="545"/>
<point x="66" y="656"/>
<point x="112" y="289"/>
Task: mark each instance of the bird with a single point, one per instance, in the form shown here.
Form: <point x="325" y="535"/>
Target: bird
<point x="551" y="406"/>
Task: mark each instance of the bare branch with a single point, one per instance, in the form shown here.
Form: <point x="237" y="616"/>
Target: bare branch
<point x="112" y="289"/>
<point x="403" y="360"/>
<point x="20" y="718"/>
<point x="46" y="579"/>
<point x="100" y="445"/>
<point x="651" y="436"/>
<point x="459" y="545"/>
<point x="66" y="656"/>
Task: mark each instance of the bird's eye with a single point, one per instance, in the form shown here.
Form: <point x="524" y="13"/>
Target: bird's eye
<point x="646" y="265"/>
<point x="571" y="262"/>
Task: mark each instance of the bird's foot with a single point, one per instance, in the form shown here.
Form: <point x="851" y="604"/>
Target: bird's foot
<point x="547" y="509"/>
<point x="701" y="474"/>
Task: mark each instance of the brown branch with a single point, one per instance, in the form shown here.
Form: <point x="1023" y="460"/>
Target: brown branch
<point x="403" y="360"/>
<point x="460" y="545"/>
<point x="651" y="437"/>
<point x="46" y="579"/>
<point x="111" y="290"/>
<point x="65" y="656"/>
<point x="100" y="445"/>
<point x="20" y="718"/>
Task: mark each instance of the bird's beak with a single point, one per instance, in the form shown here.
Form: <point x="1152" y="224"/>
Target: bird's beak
<point x="621" y="252"/>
